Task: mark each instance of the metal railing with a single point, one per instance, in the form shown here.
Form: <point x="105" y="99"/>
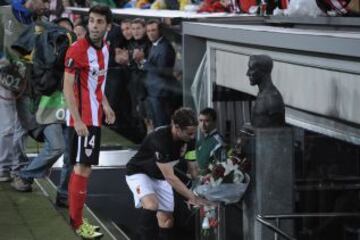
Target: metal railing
<point x="277" y="217"/>
<point x="277" y="230"/>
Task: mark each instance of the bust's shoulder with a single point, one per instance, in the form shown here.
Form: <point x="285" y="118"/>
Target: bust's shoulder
<point x="268" y="100"/>
<point x="270" y="94"/>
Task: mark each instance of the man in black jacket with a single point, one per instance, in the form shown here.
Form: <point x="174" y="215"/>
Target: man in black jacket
<point x="138" y="49"/>
<point x="159" y="74"/>
<point x="129" y="56"/>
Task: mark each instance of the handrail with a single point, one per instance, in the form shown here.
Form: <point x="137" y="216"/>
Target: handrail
<point x="329" y="179"/>
<point x="310" y="215"/>
<point x="277" y="230"/>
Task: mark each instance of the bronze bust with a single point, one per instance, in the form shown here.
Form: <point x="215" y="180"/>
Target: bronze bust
<point x="269" y="107"/>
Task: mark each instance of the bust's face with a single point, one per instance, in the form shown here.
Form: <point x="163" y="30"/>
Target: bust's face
<point x="254" y="73"/>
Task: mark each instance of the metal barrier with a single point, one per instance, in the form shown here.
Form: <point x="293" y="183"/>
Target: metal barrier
<point x="276" y="229"/>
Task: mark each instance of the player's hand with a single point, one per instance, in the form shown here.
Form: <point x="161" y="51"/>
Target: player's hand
<point x="81" y="128"/>
<point x="198" y="201"/>
<point x="109" y="114"/>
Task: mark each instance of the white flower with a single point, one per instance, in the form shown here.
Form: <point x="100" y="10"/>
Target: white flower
<point x="214" y="182"/>
<point x="205" y="224"/>
<point x="238" y="176"/>
<point x="211" y="213"/>
<point x="207" y="208"/>
<point x="211" y="166"/>
<point x="229" y="166"/>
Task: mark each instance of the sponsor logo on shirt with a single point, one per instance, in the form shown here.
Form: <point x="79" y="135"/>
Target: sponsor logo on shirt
<point x="102" y="72"/>
<point x="98" y="73"/>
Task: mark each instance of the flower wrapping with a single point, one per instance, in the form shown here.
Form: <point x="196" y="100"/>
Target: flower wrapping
<point x="224" y="183"/>
<point x="225" y="192"/>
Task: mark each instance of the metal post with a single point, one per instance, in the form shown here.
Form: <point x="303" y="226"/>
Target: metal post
<point x="221" y="234"/>
<point x="277" y="220"/>
<point x="197" y="223"/>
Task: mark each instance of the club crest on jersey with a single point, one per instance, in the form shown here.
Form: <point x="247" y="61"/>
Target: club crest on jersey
<point x="88" y="152"/>
<point x="69" y="63"/>
<point x="138" y="189"/>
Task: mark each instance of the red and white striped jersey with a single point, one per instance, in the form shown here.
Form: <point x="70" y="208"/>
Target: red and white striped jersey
<point x="89" y="64"/>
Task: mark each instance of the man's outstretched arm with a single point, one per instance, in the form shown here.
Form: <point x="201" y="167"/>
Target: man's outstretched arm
<point x="168" y="172"/>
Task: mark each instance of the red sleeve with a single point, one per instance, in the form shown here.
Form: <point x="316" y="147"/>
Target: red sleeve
<point x="72" y="59"/>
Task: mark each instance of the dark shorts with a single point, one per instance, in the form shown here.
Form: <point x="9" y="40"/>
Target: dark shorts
<point x="84" y="150"/>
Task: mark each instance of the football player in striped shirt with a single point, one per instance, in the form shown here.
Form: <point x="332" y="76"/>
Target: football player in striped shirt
<point x="86" y="66"/>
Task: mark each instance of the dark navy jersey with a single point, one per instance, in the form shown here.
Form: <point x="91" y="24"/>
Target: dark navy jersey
<point x="158" y="146"/>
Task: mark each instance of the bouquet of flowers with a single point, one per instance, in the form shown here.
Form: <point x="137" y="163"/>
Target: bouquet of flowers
<point x="226" y="181"/>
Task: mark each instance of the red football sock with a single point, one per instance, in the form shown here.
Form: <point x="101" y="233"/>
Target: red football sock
<point x="284" y="4"/>
<point x="77" y="197"/>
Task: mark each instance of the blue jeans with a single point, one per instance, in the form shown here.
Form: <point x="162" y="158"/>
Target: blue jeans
<point x="66" y="171"/>
<point x="12" y="135"/>
<point x="54" y="147"/>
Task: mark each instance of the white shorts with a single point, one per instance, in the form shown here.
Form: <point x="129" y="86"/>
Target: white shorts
<point x="142" y="185"/>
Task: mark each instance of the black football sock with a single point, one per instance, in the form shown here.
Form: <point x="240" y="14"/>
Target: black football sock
<point x="165" y="234"/>
<point x="148" y="225"/>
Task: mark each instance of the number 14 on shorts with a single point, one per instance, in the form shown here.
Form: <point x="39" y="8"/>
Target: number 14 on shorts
<point x="89" y="145"/>
<point x="89" y="141"/>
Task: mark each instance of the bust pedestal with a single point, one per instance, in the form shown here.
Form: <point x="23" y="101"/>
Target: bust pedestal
<point x="271" y="189"/>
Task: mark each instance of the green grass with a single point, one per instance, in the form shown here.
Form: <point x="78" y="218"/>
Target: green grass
<point x="109" y="139"/>
<point x="30" y="216"/>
